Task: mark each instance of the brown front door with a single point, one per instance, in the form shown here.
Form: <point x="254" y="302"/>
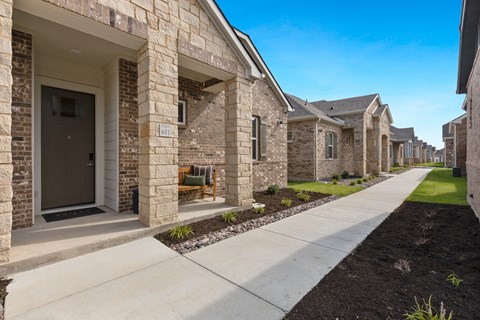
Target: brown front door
<point x="68" y="148"/>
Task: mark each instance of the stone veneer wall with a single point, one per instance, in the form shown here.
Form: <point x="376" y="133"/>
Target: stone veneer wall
<point x="22" y="203"/>
<point x="301" y="151"/>
<point x="473" y="143"/>
<point x="128" y="133"/>
<point x="448" y="153"/>
<point x="461" y="145"/>
<point x="274" y="168"/>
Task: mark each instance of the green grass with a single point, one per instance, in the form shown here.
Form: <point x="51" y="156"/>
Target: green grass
<point x="338" y="190"/>
<point x="431" y="164"/>
<point x="441" y="187"/>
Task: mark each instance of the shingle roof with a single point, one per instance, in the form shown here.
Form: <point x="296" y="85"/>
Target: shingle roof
<point x="401" y="134"/>
<point x="445" y="131"/>
<point x="339" y="107"/>
<point x="303" y="109"/>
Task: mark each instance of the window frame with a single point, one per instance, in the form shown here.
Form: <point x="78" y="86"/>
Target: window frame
<point x="330" y="145"/>
<point x="182" y="104"/>
<point x="255" y="138"/>
<point x="289" y="135"/>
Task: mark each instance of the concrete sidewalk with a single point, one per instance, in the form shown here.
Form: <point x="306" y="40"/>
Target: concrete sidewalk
<point x="260" y="274"/>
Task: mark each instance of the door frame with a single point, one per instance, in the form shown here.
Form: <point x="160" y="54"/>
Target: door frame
<point x="37" y="139"/>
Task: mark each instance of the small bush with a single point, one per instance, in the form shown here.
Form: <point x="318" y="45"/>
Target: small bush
<point x="286" y="202"/>
<point x="303" y="196"/>
<point x="396" y="164"/>
<point x="229" y="217"/>
<point x="260" y="210"/>
<point x="335" y="182"/>
<point x="403" y="265"/>
<point x="273" y="189"/>
<point x="365" y="179"/>
<point x="180" y="232"/>
<point x="352" y="183"/>
<point x="454" y="279"/>
<point x="336" y="176"/>
<point x="345" y="175"/>
<point x="359" y="181"/>
<point x="425" y="311"/>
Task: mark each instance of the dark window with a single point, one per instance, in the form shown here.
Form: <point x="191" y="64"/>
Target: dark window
<point x="255" y="131"/>
<point x="67" y="107"/>
<point x="331" y="145"/>
<point x="182" y="112"/>
<point x="289" y="135"/>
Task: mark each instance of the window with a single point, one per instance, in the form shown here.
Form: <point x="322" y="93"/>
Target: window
<point x="182" y="112"/>
<point x="470" y="111"/>
<point x="348" y="140"/>
<point x="331" y="141"/>
<point x="255" y="131"/>
<point x="289" y="135"/>
<point x="67" y="107"/>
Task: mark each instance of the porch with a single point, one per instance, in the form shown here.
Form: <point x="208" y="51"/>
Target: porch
<point x="46" y="243"/>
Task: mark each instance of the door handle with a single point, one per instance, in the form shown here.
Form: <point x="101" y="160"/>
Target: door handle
<point x="89" y="164"/>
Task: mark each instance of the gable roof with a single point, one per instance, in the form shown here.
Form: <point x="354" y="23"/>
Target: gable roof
<point x="446" y="131"/>
<point x="346" y="106"/>
<point x="381" y="110"/>
<point x="303" y="110"/>
<point x="226" y="30"/>
<point x="468" y="42"/>
<point x="253" y="52"/>
<point x="401" y="134"/>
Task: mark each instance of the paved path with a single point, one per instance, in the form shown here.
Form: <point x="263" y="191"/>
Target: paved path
<point x="260" y="274"/>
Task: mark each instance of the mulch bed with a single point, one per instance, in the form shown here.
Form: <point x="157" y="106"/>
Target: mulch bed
<point x="366" y="285"/>
<point x="272" y="205"/>
<point x="3" y="293"/>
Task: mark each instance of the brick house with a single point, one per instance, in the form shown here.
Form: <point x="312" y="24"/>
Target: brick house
<point x="447" y="145"/>
<point x="101" y="96"/>
<point x="439" y="155"/>
<point x="402" y="145"/>
<point x="330" y="137"/>
<point x="419" y="151"/>
<point x="469" y="84"/>
<point x="458" y="130"/>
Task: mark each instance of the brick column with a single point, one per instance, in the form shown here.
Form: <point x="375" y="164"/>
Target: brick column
<point x="158" y="153"/>
<point x="5" y="129"/>
<point x="360" y="150"/>
<point x="238" y="142"/>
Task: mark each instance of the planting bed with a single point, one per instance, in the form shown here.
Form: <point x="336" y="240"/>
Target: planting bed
<point x="366" y="285"/>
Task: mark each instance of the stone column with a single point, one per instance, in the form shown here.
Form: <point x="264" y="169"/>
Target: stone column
<point x="238" y="142"/>
<point x="360" y="150"/>
<point x="6" y="169"/>
<point x="158" y="132"/>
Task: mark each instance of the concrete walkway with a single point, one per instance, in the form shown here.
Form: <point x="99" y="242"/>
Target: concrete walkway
<point x="260" y="274"/>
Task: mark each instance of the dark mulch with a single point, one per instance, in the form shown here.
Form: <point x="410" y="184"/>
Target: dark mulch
<point x="272" y="205"/>
<point x="365" y="285"/>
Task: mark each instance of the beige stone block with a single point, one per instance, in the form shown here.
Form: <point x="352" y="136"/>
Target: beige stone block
<point x="166" y="171"/>
<point x="5" y="255"/>
<point x="6" y="208"/>
<point x="145" y="4"/>
<point x="5" y="241"/>
<point x="5" y="223"/>
<point x="6" y="9"/>
<point x="167" y="209"/>
<point x="146" y="171"/>
<point x="197" y="41"/>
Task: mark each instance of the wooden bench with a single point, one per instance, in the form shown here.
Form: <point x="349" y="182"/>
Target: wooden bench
<point x="188" y="171"/>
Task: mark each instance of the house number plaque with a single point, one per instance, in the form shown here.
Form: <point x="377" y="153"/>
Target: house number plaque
<point x="165" y="130"/>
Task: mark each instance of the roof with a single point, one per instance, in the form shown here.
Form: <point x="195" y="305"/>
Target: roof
<point x="401" y="134"/>
<point x="304" y="110"/>
<point x="225" y="28"/>
<point x="345" y="106"/>
<point x="446" y="131"/>
<point x="468" y="42"/>
<point x="253" y="52"/>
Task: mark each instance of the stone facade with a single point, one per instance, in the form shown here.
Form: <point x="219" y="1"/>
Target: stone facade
<point x="128" y="133"/>
<point x="22" y="201"/>
<point x="448" y="155"/>
<point x="397" y="153"/>
<point x="343" y="160"/>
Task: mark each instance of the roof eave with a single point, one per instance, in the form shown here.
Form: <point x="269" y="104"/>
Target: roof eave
<point x="304" y="118"/>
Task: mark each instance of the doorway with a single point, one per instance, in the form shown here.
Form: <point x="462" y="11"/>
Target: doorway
<point x="68" y="148"/>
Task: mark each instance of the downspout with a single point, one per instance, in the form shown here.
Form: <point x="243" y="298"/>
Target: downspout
<point x="315" y="156"/>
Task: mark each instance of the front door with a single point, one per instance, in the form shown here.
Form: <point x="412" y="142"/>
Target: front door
<point x="68" y="148"/>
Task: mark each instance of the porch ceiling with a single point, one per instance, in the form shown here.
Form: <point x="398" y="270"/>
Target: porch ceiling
<point x="59" y="41"/>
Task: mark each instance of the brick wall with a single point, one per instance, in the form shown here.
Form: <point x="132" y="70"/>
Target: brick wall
<point x="301" y="151"/>
<point x="128" y="133"/>
<point x="22" y="130"/>
<point x="461" y="145"/>
<point x="344" y="160"/>
<point x="448" y="153"/>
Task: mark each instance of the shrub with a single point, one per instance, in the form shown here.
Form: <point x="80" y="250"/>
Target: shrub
<point x="286" y="202"/>
<point x="454" y="279"/>
<point x="396" y="164"/>
<point x="336" y="176"/>
<point x="359" y="181"/>
<point x="403" y="265"/>
<point x="345" y="175"/>
<point x="229" y="217"/>
<point x="180" y="232"/>
<point x="352" y="183"/>
<point x="303" y="196"/>
<point x="260" y="210"/>
<point x="335" y="182"/>
<point x="273" y="189"/>
<point x="365" y="179"/>
<point x="425" y="311"/>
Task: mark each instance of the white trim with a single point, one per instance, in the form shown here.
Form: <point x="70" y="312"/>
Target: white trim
<point x="224" y="27"/>
<point x="99" y="136"/>
<point x="183" y="104"/>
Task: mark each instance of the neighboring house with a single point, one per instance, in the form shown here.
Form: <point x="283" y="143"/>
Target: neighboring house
<point x="110" y="95"/>
<point x="418" y="151"/>
<point x="458" y="129"/>
<point x="439" y="155"/>
<point x="402" y="145"/>
<point x="330" y="137"/>
<point x="424" y="156"/>
<point x="469" y="83"/>
<point x="430" y="153"/>
<point x="447" y="145"/>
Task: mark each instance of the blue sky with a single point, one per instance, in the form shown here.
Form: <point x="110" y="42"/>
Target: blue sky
<point x="405" y="50"/>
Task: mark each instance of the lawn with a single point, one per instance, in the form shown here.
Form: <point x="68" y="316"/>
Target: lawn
<point x="441" y="187"/>
<point x="431" y="164"/>
<point x="338" y="190"/>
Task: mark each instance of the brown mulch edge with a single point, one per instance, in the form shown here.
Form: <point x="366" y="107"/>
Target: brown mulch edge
<point x="366" y="285"/>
